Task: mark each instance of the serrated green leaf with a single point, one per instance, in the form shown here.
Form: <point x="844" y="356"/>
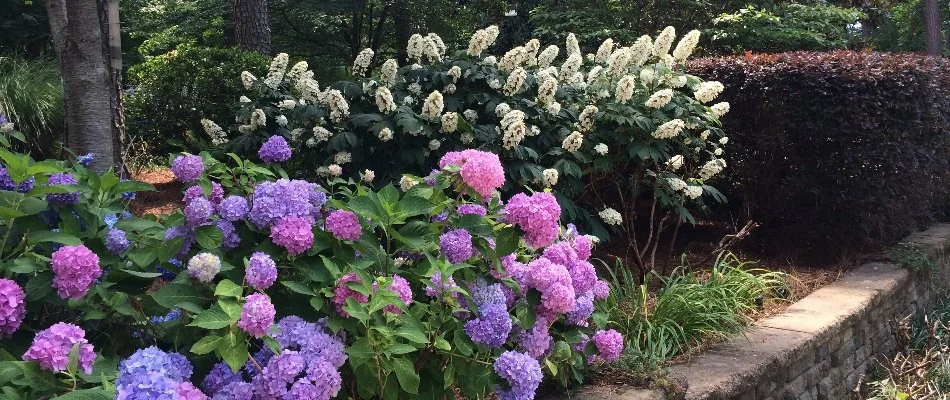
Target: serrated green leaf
<point x="54" y="237"/>
<point x="212" y="318"/>
<point x="407" y="375"/>
<point x="206" y="344"/>
<point x="227" y="288"/>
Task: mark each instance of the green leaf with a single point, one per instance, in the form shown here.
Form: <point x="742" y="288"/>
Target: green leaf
<point x="209" y="237"/>
<point x="231" y="308"/>
<point x="298" y="287"/>
<point x="407" y="375"/>
<point x="212" y="318"/>
<point x="39" y="286"/>
<point x="399" y="348"/>
<point x="206" y="344"/>
<point x="234" y="350"/>
<point x="226" y="288"/>
<point x="360" y="351"/>
<point x="507" y="241"/>
<point x="316" y="303"/>
<point x="551" y="366"/>
<point x="365" y="207"/>
<point x="72" y="364"/>
<point x="413" y="334"/>
<point x="175" y="294"/>
<point x="388" y="196"/>
<point x="54" y="237"/>
<point x="411" y="206"/>
<point x="140" y="274"/>
<point x="87" y="394"/>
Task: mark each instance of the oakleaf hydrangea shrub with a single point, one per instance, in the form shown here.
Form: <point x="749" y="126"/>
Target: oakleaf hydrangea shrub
<point x="618" y="125"/>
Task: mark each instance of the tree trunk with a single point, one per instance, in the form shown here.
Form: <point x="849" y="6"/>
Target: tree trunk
<point x="251" y="25"/>
<point x="78" y="38"/>
<point x="932" y="27"/>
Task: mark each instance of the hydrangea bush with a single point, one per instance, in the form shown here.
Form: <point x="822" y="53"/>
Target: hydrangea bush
<point x="617" y="125"/>
<point x="266" y="287"/>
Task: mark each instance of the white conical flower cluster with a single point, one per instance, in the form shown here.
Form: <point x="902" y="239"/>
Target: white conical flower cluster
<point x="604" y="51"/>
<point x="218" y="135"/>
<point x="708" y="91"/>
<point x="720" y="109"/>
<point x="276" y="73"/>
<point x="384" y="100"/>
<point x="573" y="48"/>
<point x="686" y="46"/>
<point x="664" y="41"/>
<point x="450" y="122"/>
<point x="514" y="129"/>
<point x="712" y="168"/>
<point x="625" y="88"/>
<point x="481" y="40"/>
<point x="550" y="177"/>
<point x="660" y="98"/>
<point x="546" y="58"/>
<point x="339" y="108"/>
<point x="585" y="122"/>
<point x="669" y="129"/>
<point x="362" y="61"/>
<point x="248" y="80"/>
<point x="388" y="71"/>
<point x="571" y="67"/>
<point x="546" y="91"/>
<point x="515" y="81"/>
<point x="433" y="106"/>
<point x="573" y="142"/>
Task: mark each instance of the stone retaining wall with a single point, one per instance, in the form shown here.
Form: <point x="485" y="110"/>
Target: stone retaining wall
<point x="822" y="346"/>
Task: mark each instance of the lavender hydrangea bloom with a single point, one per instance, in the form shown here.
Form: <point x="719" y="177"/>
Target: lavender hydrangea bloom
<point x="456" y="245"/>
<point x="151" y="373"/>
<point x="261" y="271"/>
<point x="583" y="309"/>
<point x="75" y="269"/>
<point x="492" y="326"/>
<point x="280" y="372"/>
<point x="554" y="283"/>
<point x="116" y="241"/>
<point x="322" y="382"/>
<point x="521" y="371"/>
<point x="172" y="315"/>
<point x="188" y="391"/>
<point x="6" y="183"/>
<point x="235" y="391"/>
<point x="257" y="316"/>
<point x="343" y="292"/>
<point x="441" y="217"/>
<point x="12" y="307"/>
<point x="198" y="211"/>
<point x="311" y="340"/>
<point x="440" y="286"/>
<point x="401" y="287"/>
<point x="233" y="208"/>
<point x="110" y="219"/>
<point x="472" y="209"/>
<point x="85" y="159"/>
<point x="274" y="150"/>
<point x="204" y="267"/>
<point x="537" y="341"/>
<point x="51" y="348"/>
<point x="601" y="290"/>
<point x="609" y="344"/>
<point x="196" y="191"/>
<point x="293" y="233"/>
<point x="187" y="235"/>
<point x="344" y="225"/>
<point x="274" y="200"/>
<point x="583" y="276"/>
<point x="231" y="239"/>
<point x="62" y="198"/>
<point x="187" y="168"/>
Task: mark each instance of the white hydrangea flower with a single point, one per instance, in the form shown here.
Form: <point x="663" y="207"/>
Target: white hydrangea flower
<point x="553" y="108"/>
<point x="547" y="56"/>
<point x="618" y="62"/>
<point x="676" y="184"/>
<point x="384" y="100"/>
<point x="258" y="118"/>
<point x="385" y="134"/>
<point x="717" y="152"/>
<point x="399" y="261"/>
<point x="586" y="119"/>
<point x="467" y="138"/>
<point x="625" y="88"/>
<point x="571" y="66"/>
<point x="362" y="61"/>
<point x="218" y="135"/>
<point x="248" y="80"/>
<point x="408" y="100"/>
<point x="490" y="61"/>
<point x="708" y="91"/>
<point x="287" y="104"/>
<point x="531" y="49"/>
<point x="450" y="122"/>
<point x="594" y="74"/>
<point x="342" y="157"/>
<point x="669" y="129"/>
<point x="641" y="50"/>
<point x="573" y="48"/>
<point x="611" y="216"/>
<point x="660" y="98"/>
<point x="515" y="81"/>
<point x="434" y="144"/>
<point x="514" y="134"/>
<point x="322" y="171"/>
<point x="449" y="89"/>
<point x="339" y="108"/>
<point x="712" y="168"/>
<point x="335" y="170"/>
<point x="470" y="115"/>
<point x="481" y="40"/>
<point x="433" y="105"/>
<point x="277" y="68"/>
<point x="455" y="72"/>
<point x="298" y="71"/>
<point x="321" y="134"/>
<point x="388" y="72"/>
<point x="368" y="176"/>
<point x="437" y="43"/>
<point x="244" y="99"/>
<point x="573" y="142"/>
<point x="534" y="131"/>
<point x="705" y="135"/>
<point x="416" y="47"/>
<point x="724" y="140"/>
<point x="550" y="177"/>
<point x="502" y="109"/>
<point x="281" y="120"/>
<point x="514" y="58"/>
<point x="244" y="129"/>
<point x="604" y="51"/>
<point x="693" y="192"/>
<point x="495" y="84"/>
<point x="647" y="75"/>
<point x="675" y="162"/>
<point x="547" y="90"/>
<point x="601" y="148"/>
<point x="406" y="183"/>
<point x="511" y="117"/>
<point x="433" y="48"/>
<point x="664" y="41"/>
<point x="720" y="109"/>
<point x="309" y="88"/>
<point x="686" y="46"/>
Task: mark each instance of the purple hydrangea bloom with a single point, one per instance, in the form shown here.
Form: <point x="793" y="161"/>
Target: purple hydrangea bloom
<point x="343" y="292"/>
<point x="235" y="391"/>
<point x="561" y="253"/>
<point x="583" y="309"/>
<point x="204" y="267"/>
<point x="231" y="239"/>
<point x="274" y="200"/>
<point x="583" y="276"/>
<point x="456" y="245"/>
<point x="274" y="150"/>
<point x="609" y="344"/>
<point x="75" y="269"/>
<point x="195" y="191"/>
<point x="401" y="287"/>
<point x="440" y="286"/>
<point x="181" y="231"/>
<point x="521" y="371"/>
<point x="322" y="382"/>
<point x="601" y="290"/>
<point x="279" y="373"/>
<point x="261" y="271"/>
<point x="537" y="341"/>
<point x="441" y="217"/>
<point x="62" y="198"/>
<point x="311" y="340"/>
<point x="537" y="215"/>
<point x="51" y="348"/>
<point x="12" y="307"/>
<point x="344" y="225"/>
<point x="6" y="183"/>
<point x="554" y="283"/>
<point x="583" y="245"/>
<point x="151" y="373"/>
<point x="293" y="233"/>
<point x="198" y="211"/>
<point x="512" y="269"/>
<point x="491" y="327"/>
<point x="233" y="208"/>
<point x="188" y="168"/>
<point x="188" y="391"/>
<point x="116" y="241"/>
<point x="472" y="209"/>
<point x="257" y="316"/>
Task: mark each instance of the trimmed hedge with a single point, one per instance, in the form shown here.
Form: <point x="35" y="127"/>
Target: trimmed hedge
<point x="839" y="148"/>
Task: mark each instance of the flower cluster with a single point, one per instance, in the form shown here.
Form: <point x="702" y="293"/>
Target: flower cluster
<point x="12" y="307"/>
<point x="537" y="215"/>
<point x="492" y="323"/>
<point x="204" y="267"/>
<point x="261" y="271"/>
<point x="51" y="348"/>
<point x="522" y="373"/>
<point x="187" y="168"/>
<point x="60" y="198"/>
<point x="75" y="269"/>
<point x="151" y="373"/>
<point x="257" y="315"/>
<point x="480" y="170"/>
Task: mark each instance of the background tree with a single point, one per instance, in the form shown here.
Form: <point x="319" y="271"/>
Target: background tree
<point x="932" y="27"/>
<point x="251" y="25"/>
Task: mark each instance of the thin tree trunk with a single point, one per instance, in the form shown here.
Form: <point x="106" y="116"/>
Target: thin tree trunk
<point x="251" y="25"/>
<point x="402" y="25"/>
<point x="932" y="27"/>
<point x="112" y="51"/>
<point x="88" y="87"/>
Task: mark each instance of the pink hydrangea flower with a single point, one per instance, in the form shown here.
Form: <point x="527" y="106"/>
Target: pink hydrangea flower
<point x="344" y="225"/>
<point x="257" y="316"/>
<point x="537" y="215"/>
<point x="293" y="233"/>
<point x="480" y="170"/>
<point x="12" y="307"/>
<point x="401" y="287"/>
<point x="51" y="348"/>
<point x="75" y="269"/>
<point x="609" y="344"/>
<point x="343" y="292"/>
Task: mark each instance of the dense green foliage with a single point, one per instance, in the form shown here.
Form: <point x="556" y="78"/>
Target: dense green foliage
<point x="837" y="149"/>
<point x="171" y="93"/>
<point x="31" y="93"/>
<point x="903" y="30"/>
<point x="787" y="27"/>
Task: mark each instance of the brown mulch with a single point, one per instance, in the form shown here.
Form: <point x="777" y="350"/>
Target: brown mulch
<point x="166" y="197"/>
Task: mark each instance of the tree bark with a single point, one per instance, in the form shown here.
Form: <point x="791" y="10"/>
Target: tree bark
<point x="79" y="41"/>
<point x="932" y="28"/>
<point x="251" y="25"/>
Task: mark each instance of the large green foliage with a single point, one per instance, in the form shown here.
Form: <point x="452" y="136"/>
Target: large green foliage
<point x="786" y="27"/>
<point x="172" y="92"/>
<point x="902" y="27"/>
